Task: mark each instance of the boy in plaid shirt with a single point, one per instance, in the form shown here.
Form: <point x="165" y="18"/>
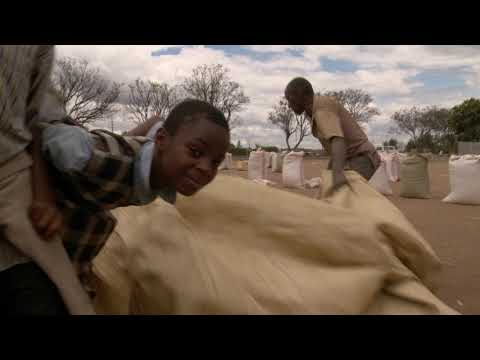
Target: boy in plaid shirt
<point x="97" y="171"/>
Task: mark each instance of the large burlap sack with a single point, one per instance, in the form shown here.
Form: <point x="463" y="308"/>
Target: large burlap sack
<point x="293" y="170"/>
<point x="277" y="162"/>
<point x="415" y="182"/>
<point x="275" y="253"/>
<point x="256" y="165"/>
<point x="379" y="180"/>
<point x="464" y="172"/>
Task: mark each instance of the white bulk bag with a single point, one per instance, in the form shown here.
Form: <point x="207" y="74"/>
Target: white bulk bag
<point x="277" y="160"/>
<point x="395" y="167"/>
<point x="256" y="165"/>
<point x="292" y="172"/>
<point x="464" y="173"/>
<point x="388" y="159"/>
<point x="229" y="161"/>
<point x="223" y="165"/>
<point x="379" y="180"/>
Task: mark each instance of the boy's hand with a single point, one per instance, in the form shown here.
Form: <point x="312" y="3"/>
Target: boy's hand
<point x="46" y="219"/>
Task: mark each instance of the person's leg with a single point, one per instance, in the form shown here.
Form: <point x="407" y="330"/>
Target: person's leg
<point x="363" y="165"/>
<point x="27" y="290"/>
<point x="50" y="257"/>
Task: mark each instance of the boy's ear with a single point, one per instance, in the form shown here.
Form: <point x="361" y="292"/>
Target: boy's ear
<point x="162" y="138"/>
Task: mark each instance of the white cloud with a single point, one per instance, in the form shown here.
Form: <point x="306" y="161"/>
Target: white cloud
<point x="387" y="72"/>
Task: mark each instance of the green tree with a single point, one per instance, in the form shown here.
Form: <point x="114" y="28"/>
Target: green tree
<point x="464" y="120"/>
<point x="393" y="142"/>
<point x="428" y="127"/>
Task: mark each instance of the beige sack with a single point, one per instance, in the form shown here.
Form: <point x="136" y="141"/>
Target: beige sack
<point x="415" y="182"/>
<point x="275" y="253"/>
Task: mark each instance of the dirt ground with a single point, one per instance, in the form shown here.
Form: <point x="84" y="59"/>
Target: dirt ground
<point x="452" y="230"/>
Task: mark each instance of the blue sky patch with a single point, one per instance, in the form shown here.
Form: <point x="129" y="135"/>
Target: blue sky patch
<point x="442" y="79"/>
<point x="167" y="51"/>
<point x="334" y="66"/>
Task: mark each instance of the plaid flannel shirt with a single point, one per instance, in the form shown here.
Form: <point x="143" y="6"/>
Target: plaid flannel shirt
<point x="85" y="198"/>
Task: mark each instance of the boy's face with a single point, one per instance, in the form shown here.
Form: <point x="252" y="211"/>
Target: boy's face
<point x="189" y="159"/>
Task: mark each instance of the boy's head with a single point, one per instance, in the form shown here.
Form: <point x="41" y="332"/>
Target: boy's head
<point x="189" y="147"/>
<point x="299" y="93"/>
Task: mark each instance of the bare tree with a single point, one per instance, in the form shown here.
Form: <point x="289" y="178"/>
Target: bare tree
<point x="409" y="121"/>
<point x="87" y="96"/>
<point x="211" y="83"/>
<point x="290" y="123"/>
<point x="420" y="122"/>
<point x="357" y="102"/>
<point x="149" y="98"/>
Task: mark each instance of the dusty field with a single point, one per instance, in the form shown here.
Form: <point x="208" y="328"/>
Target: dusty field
<point x="452" y="230"/>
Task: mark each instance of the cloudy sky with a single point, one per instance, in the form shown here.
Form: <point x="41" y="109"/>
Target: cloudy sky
<point x="397" y="76"/>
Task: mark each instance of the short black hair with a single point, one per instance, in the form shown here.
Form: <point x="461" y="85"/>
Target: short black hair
<point x="300" y="86"/>
<point x="190" y="110"/>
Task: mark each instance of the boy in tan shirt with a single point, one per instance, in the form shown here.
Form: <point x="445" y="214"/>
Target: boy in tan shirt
<point x="340" y="134"/>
